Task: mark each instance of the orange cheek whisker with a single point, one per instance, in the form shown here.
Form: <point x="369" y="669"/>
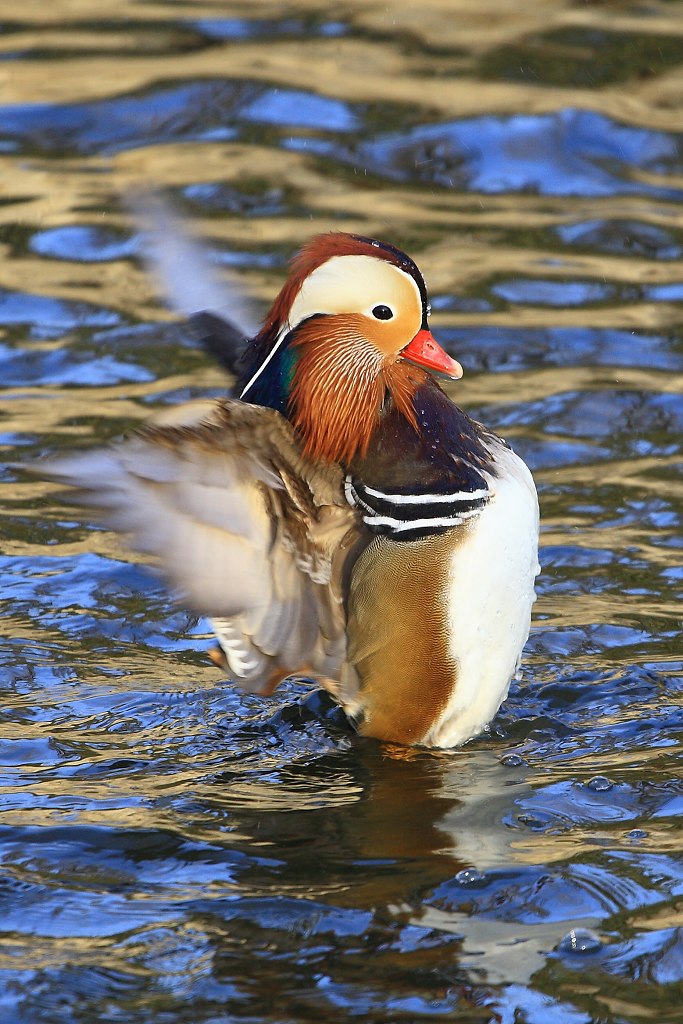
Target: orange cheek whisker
<point x="340" y="382"/>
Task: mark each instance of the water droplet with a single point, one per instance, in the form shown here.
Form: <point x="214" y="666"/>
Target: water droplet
<point x="469" y="876"/>
<point x="580" y="942"/>
<point x="637" y="833"/>
<point x="513" y="761"/>
<point x="600" y="784"/>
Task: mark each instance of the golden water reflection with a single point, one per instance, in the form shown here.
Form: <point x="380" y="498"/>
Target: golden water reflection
<point x="529" y="158"/>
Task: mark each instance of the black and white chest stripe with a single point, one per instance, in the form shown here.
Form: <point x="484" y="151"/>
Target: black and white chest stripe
<point x="410" y="516"/>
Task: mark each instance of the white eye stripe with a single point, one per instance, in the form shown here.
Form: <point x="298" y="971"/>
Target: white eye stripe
<point x="348" y="284"/>
<point x="333" y="288"/>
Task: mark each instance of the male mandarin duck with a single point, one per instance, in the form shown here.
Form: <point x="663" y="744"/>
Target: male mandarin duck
<point x="343" y="520"/>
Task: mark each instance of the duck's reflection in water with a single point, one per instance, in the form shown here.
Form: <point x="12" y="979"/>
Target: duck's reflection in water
<point x="405" y="835"/>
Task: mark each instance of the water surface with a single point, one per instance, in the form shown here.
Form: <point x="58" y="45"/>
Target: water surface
<point x="172" y="850"/>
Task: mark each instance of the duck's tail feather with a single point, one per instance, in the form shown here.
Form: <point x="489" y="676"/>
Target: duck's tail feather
<point x="220" y="316"/>
<point x="221" y="339"/>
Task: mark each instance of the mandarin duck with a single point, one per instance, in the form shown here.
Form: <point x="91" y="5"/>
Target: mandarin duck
<point x="343" y="520"/>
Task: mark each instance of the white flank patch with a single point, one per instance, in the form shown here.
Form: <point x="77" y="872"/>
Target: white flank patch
<point x="491" y="594"/>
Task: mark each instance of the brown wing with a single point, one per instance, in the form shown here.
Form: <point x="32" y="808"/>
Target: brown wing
<point x="247" y="530"/>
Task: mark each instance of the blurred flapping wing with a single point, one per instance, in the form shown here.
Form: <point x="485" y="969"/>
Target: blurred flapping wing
<point x="247" y="530"/>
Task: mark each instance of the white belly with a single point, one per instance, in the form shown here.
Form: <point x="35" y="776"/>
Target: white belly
<point x="491" y="594"/>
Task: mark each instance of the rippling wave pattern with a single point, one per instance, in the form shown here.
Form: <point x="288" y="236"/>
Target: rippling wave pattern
<point x="174" y="851"/>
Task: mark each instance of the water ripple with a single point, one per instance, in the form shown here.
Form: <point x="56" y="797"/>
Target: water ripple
<point x="167" y="842"/>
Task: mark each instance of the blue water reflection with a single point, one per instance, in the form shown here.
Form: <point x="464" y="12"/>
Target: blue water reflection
<point x="566" y="153"/>
<point x="212" y="110"/>
<point x="173" y="848"/>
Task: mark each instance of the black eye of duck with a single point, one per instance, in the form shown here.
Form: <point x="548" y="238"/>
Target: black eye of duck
<point x="382" y="313"/>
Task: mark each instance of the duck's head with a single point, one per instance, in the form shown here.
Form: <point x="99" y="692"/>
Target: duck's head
<point x="348" y="330"/>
